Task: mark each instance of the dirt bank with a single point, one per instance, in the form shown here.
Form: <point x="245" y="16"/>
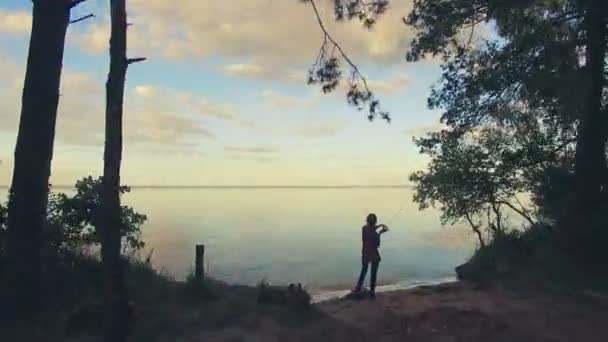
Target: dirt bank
<point x="461" y="312"/>
<point x="449" y="312"/>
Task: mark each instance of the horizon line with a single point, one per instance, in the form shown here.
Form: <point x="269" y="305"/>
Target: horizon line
<point x="261" y="186"/>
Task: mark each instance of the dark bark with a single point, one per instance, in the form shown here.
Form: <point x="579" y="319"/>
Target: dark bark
<point x="116" y="318"/>
<point x="590" y="150"/>
<point x="33" y="155"/>
<point x="583" y="228"/>
<point x="476" y="229"/>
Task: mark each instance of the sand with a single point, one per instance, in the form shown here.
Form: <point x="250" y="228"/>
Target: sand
<point x="462" y="312"/>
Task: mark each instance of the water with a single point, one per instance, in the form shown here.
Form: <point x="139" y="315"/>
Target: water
<point x="310" y="236"/>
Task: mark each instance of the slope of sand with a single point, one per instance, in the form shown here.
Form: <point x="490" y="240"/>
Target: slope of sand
<point x="461" y="312"/>
<point x="454" y="312"/>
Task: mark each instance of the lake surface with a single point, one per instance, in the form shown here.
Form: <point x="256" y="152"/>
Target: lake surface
<point x="311" y="236"/>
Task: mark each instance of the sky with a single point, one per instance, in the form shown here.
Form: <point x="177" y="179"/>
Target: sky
<point x="223" y="99"/>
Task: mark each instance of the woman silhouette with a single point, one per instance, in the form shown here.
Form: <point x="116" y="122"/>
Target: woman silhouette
<point x="370" y="237"/>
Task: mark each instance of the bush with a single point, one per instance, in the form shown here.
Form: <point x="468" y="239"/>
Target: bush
<point x="71" y="221"/>
<point x="507" y="255"/>
<point x="532" y="257"/>
<point x="200" y="290"/>
<point x="71" y="266"/>
<point x="294" y="296"/>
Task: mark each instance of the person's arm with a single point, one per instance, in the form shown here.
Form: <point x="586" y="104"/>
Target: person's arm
<point x="383" y="230"/>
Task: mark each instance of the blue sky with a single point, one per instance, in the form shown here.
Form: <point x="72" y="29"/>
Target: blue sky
<point x="222" y="98"/>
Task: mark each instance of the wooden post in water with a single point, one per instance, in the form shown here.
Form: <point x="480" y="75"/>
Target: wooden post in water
<point x="199" y="268"/>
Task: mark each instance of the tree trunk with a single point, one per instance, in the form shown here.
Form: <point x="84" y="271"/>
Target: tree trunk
<point x="476" y="229"/>
<point x="33" y="155"/>
<point x="116" y="316"/>
<point x="590" y="160"/>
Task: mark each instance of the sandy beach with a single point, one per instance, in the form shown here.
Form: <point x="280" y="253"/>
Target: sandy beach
<point x="448" y="312"/>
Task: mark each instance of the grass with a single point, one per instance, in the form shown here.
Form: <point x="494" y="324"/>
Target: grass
<point x="164" y="308"/>
<point x="530" y="258"/>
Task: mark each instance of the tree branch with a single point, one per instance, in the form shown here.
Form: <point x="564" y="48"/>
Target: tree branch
<point x="337" y="46"/>
<point x="326" y="69"/>
<point x="135" y="60"/>
<point x="520" y="212"/>
<point x="75" y="3"/>
<point x="476" y="230"/>
<point x="85" y="17"/>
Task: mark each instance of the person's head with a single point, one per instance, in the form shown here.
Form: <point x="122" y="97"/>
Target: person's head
<point x="372" y="219"/>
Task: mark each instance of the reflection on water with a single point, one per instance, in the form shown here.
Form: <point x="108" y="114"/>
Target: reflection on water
<point x="310" y="236"/>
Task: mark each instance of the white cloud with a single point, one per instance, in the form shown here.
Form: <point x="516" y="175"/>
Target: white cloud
<point x="264" y="72"/>
<point x="18" y="22"/>
<point x="243" y="70"/>
<point x="259" y="159"/>
<point x="418" y="131"/>
<point x="274" y="34"/>
<point x="152" y="117"/>
<point x="251" y="149"/>
<point x="322" y="129"/>
<point x="388" y="86"/>
<point x="282" y="101"/>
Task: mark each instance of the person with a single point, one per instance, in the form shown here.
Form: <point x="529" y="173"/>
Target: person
<point x="370" y="237"/>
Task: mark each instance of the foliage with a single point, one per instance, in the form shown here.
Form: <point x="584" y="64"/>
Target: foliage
<point x="510" y="104"/>
<point x="71" y="220"/>
<point x="474" y="178"/>
<point x="75" y="215"/>
<point x="327" y="68"/>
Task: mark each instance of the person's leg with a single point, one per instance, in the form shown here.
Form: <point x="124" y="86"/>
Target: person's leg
<point x="372" y="282"/>
<point x="364" y="265"/>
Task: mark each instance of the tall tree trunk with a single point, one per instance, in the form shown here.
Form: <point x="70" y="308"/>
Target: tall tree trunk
<point x="590" y="161"/>
<point x="584" y="226"/>
<point x="116" y="317"/>
<point x="33" y="155"/>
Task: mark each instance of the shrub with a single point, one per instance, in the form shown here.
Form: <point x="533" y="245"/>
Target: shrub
<point x="71" y="221"/>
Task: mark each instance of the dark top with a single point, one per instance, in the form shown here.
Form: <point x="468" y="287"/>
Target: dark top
<point x="371" y="242"/>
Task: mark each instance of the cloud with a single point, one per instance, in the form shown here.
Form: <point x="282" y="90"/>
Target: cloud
<point x="153" y="120"/>
<point x="157" y="119"/>
<point x="260" y="154"/>
<point x="251" y="149"/>
<point x="274" y="34"/>
<point x="265" y="73"/>
<point x="321" y="130"/>
<point x="259" y="159"/>
<point x="244" y="70"/>
<point x="17" y="23"/>
<point x="282" y="101"/>
<point x="203" y="107"/>
<point x="423" y="130"/>
<point x="388" y="86"/>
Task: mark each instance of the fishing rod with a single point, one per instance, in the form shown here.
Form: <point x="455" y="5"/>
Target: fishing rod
<point x="394" y="215"/>
<point x="391" y="218"/>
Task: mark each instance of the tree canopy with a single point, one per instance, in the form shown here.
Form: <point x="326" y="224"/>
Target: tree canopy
<point x="513" y="105"/>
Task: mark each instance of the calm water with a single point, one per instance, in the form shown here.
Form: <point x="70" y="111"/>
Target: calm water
<point x="310" y="236"/>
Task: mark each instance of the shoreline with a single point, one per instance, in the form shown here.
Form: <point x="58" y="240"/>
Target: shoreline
<point x="462" y="311"/>
<point x="324" y="296"/>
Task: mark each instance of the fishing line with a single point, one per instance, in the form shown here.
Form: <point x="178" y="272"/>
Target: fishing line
<point x="394" y="215"/>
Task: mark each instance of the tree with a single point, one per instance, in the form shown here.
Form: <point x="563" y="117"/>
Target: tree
<point x="33" y="154"/>
<point x="480" y="177"/>
<point x="533" y="71"/>
<point x="590" y="162"/>
<point x="116" y="314"/>
<point x="71" y="219"/>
